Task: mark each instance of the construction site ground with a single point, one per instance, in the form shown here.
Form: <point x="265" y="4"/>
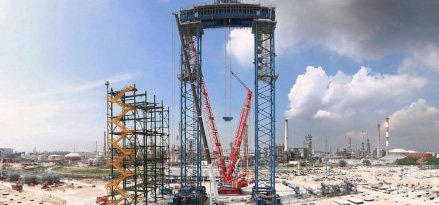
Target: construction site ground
<point x="83" y="192"/>
<point x="73" y="192"/>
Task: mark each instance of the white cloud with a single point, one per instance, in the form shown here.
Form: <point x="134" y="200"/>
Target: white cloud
<point x="318" y="95"/>
<point x="5" y="8"/>
<point x="56" y="117"/>
<point x="325" y="114"/>
<point x="427" y="57"/>
<point x="310" y="87"/>
<point x="415" y="127"/>
<point x="242" y="42"/>
<point x="89" y="85"/>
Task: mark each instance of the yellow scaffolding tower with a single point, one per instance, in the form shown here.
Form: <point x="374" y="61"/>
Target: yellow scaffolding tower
<point x="124" y="155"/>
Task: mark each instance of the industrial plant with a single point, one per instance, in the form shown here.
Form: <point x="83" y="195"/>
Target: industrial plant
<point x="144" y="160"/>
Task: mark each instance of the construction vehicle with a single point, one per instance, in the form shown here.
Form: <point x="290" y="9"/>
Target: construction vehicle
<point x="17" y="186"/>
<point x="226" y="173"/>
<point x="45" y="185"/>
<point x="102" y="199"/>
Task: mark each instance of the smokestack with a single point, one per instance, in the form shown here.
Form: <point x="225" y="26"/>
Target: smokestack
<point x="362" y="143"/>
<point x="378" y="143"/>
<point x="350" y="148"/>
<point x="368" y="147"/>
<point x="286" y="135"/>
<point x="387" y="136"/>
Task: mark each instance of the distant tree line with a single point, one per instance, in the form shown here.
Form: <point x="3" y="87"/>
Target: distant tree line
<point x="416" y="161"/>
<point x="431" y="160"/>
<point x="407" y="161"/>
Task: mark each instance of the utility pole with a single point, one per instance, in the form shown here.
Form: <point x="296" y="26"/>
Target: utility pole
<point x="378" y="143"/>
<point x="107" y="84"/>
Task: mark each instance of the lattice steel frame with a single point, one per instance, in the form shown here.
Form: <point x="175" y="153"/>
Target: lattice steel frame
<point x="153" y="170"/>
<point x="190" y="141"/>
<point x="122" y="153"/>
<point x="146" y="140"/>
<point x="265" y="79"/>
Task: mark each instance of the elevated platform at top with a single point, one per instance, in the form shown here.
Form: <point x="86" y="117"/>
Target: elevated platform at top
<point x="240" y="14"/>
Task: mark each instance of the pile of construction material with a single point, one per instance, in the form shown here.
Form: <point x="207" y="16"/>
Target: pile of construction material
<point x="26" y="177"/>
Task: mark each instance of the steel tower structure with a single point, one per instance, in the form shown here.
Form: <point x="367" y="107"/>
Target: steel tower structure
<point x="190" y="157"/>
<point x="139" y="145"/>
<point x="262" y="20"/>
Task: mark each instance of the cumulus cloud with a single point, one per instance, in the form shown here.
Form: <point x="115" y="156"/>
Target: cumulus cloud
<point x="413" y="124"/>
<point x="318" y="95"/>
<point x="428" y="57"/>
<point x="325" y="114"/>
<point x="242" y="43"/>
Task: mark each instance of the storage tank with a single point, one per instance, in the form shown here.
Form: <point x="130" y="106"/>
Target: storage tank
<point x="72" y="157"/>
<point x="43" y="157"/>
<point x="98" y="161"/>
<point x="55" y="157"/>
<point x="91" y="161"/>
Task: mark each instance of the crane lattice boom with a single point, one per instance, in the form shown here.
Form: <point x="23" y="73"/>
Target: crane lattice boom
<point x="239" y="133"/>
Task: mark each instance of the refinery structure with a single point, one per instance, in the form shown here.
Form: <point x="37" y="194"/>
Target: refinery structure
<point x="138" y="164"/>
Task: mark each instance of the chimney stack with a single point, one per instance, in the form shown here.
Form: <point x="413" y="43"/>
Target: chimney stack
<point x="387" y="136"/>
<point x="368" y="147"/>
<point x="286" y="135"/>
<point x="362" y="143"/>
<point x="378" y="143"/>
<point x="350" y="148"/>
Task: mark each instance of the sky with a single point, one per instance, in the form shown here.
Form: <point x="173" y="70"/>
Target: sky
<point x="344" y="66"/>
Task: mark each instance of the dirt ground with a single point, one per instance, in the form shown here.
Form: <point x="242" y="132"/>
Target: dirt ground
<point x="71" y="193"/>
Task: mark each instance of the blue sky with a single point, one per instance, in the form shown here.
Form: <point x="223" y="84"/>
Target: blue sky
<point x="344" y="67"/>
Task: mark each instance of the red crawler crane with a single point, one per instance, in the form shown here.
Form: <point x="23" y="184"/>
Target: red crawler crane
<point x="226" y="174"/>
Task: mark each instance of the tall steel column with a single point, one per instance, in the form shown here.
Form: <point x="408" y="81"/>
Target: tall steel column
<point x="190" y="141"/>
<point x="265" y="79"/>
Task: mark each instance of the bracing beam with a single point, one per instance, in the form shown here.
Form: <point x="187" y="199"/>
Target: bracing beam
<point x="265" y="79"/>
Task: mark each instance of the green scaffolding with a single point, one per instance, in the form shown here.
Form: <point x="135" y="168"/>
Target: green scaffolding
<point x="149" y="139"/>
